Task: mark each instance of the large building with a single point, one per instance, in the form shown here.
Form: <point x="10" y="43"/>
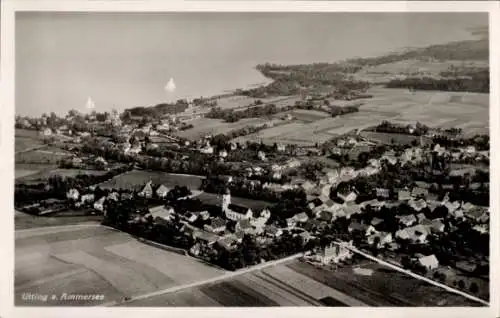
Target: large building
<point x="234" y="212"/>
<point x="334" y="253"/>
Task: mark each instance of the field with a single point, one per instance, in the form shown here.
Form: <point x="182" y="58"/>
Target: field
<point x="23" y="170"/>
<point x="210" y="126"/>
<point x="300" y="284"/>
<point x="214" y="199"/>
<point x="28" y="221"/>
<point x="96" y="260"/>
<point x="386" y="138"/>
<point x="469" y="111"/>
<point x="43" y="156"/>
<point x="46" y="174"/>
<point x="138" y="178"/>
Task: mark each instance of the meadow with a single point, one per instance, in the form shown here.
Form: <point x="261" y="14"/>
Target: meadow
<point x="96" y="260"/>
<point x="136" y="179"/>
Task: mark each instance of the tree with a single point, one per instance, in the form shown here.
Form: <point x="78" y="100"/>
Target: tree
<point x="473" y="287"/>
<point x="461" y="284"/>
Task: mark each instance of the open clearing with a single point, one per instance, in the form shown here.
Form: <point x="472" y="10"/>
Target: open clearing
<point x="469" y="111"/>
<point x="22" y="170"/>
<point x="136" y="179"/>
<point x="96" y="260"/>
<point x="45" y="175"/>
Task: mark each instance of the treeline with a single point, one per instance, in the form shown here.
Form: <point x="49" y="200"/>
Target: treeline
<point x="480" y="142"/>
<point x="388" y="127"/>
<point x="57" y="186"/>
<point x="479" y="83"/>
<point x="230" y="115"/>
<point x="156" y="111"/>
<point x="294" y="79"/>
<point x="469" y="50"/>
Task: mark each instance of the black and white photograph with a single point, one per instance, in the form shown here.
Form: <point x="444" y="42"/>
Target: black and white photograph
<point x="251" y="159"/>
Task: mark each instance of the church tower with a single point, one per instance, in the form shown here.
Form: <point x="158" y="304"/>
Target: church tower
<point x="226" y="200"/>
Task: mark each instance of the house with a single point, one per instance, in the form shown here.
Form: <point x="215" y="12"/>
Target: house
<point x="291" y="222"/>
<point x="404" y="195"/>
<point x="87" y="198"/>
<point x="430" y="262"/>
<point x="357" y="227"/>
<point x="207" y="149"/>
<point x="204" y="236"/>
<point x="407" y="220"/>
<point x="165" y="213"/>
<point x="437" y="226"/>
<point x="126" y="196"/>
<point x="216" y="225"/>
<point x="466" y="266"/>
<point x="416" y="234"/>
<point x="347" y="196"/>
<point x="280" y="147"/>
<point x="376" y="221"/>
<point x="418" y="192"/>
<point x="223" y="153"/>
<point x="113" y="196"/>
<point x="308" y="186"/>
<point x="382" y="193"/>
<point x="457" y="213"/>
<point x="301" y="217"/>
<point x="417" y="205"/>
<point x="76" y="161"/>
<point x="421" y="217"/>
<point x="72" y="194"/>
<point x="245" y="226"/>
<point x="334" y="253"/>
<point x="481" y="228"/>
<point x="305" y="236"/>
<point x="452" y="206"/>
<point x="382" y="239"/>
<point x="273" y="231"/>
<point x="227" y="242"/>
<point x="261" y="155"/>
<point x="190" y="217"/>
<point x="477" y="214"/>
<point x="325" y="216"/>
<point x="293" y="163"/>
<point x="147" y="191"/>
<point x="162" y="191"/>
<point x="99" y="204"/>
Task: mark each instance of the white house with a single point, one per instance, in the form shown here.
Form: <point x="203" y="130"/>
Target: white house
<point x="99" y="204"/>
<point x="147" y="191"/>
<point x="162" y="191"/>
<point x="73" y="194"/>
<point x="430" y="262"/>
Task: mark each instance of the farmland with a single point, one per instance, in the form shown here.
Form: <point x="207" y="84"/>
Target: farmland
<point x="300" y="284"/>
<point x="469" y="111"/>
<point x="137" y="178"/>
<point x="23" y="170"/>
<point x="26" y="221"/>
<point x="96" y="260"/>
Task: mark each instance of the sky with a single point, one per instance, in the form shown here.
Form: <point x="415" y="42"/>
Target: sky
<point x="125" y="59"/>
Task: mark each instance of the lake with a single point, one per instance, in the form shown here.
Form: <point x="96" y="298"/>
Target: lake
<point x="124" y="60"/>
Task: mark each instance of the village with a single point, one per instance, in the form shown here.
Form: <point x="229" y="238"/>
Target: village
<point x="423" y="221"/>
